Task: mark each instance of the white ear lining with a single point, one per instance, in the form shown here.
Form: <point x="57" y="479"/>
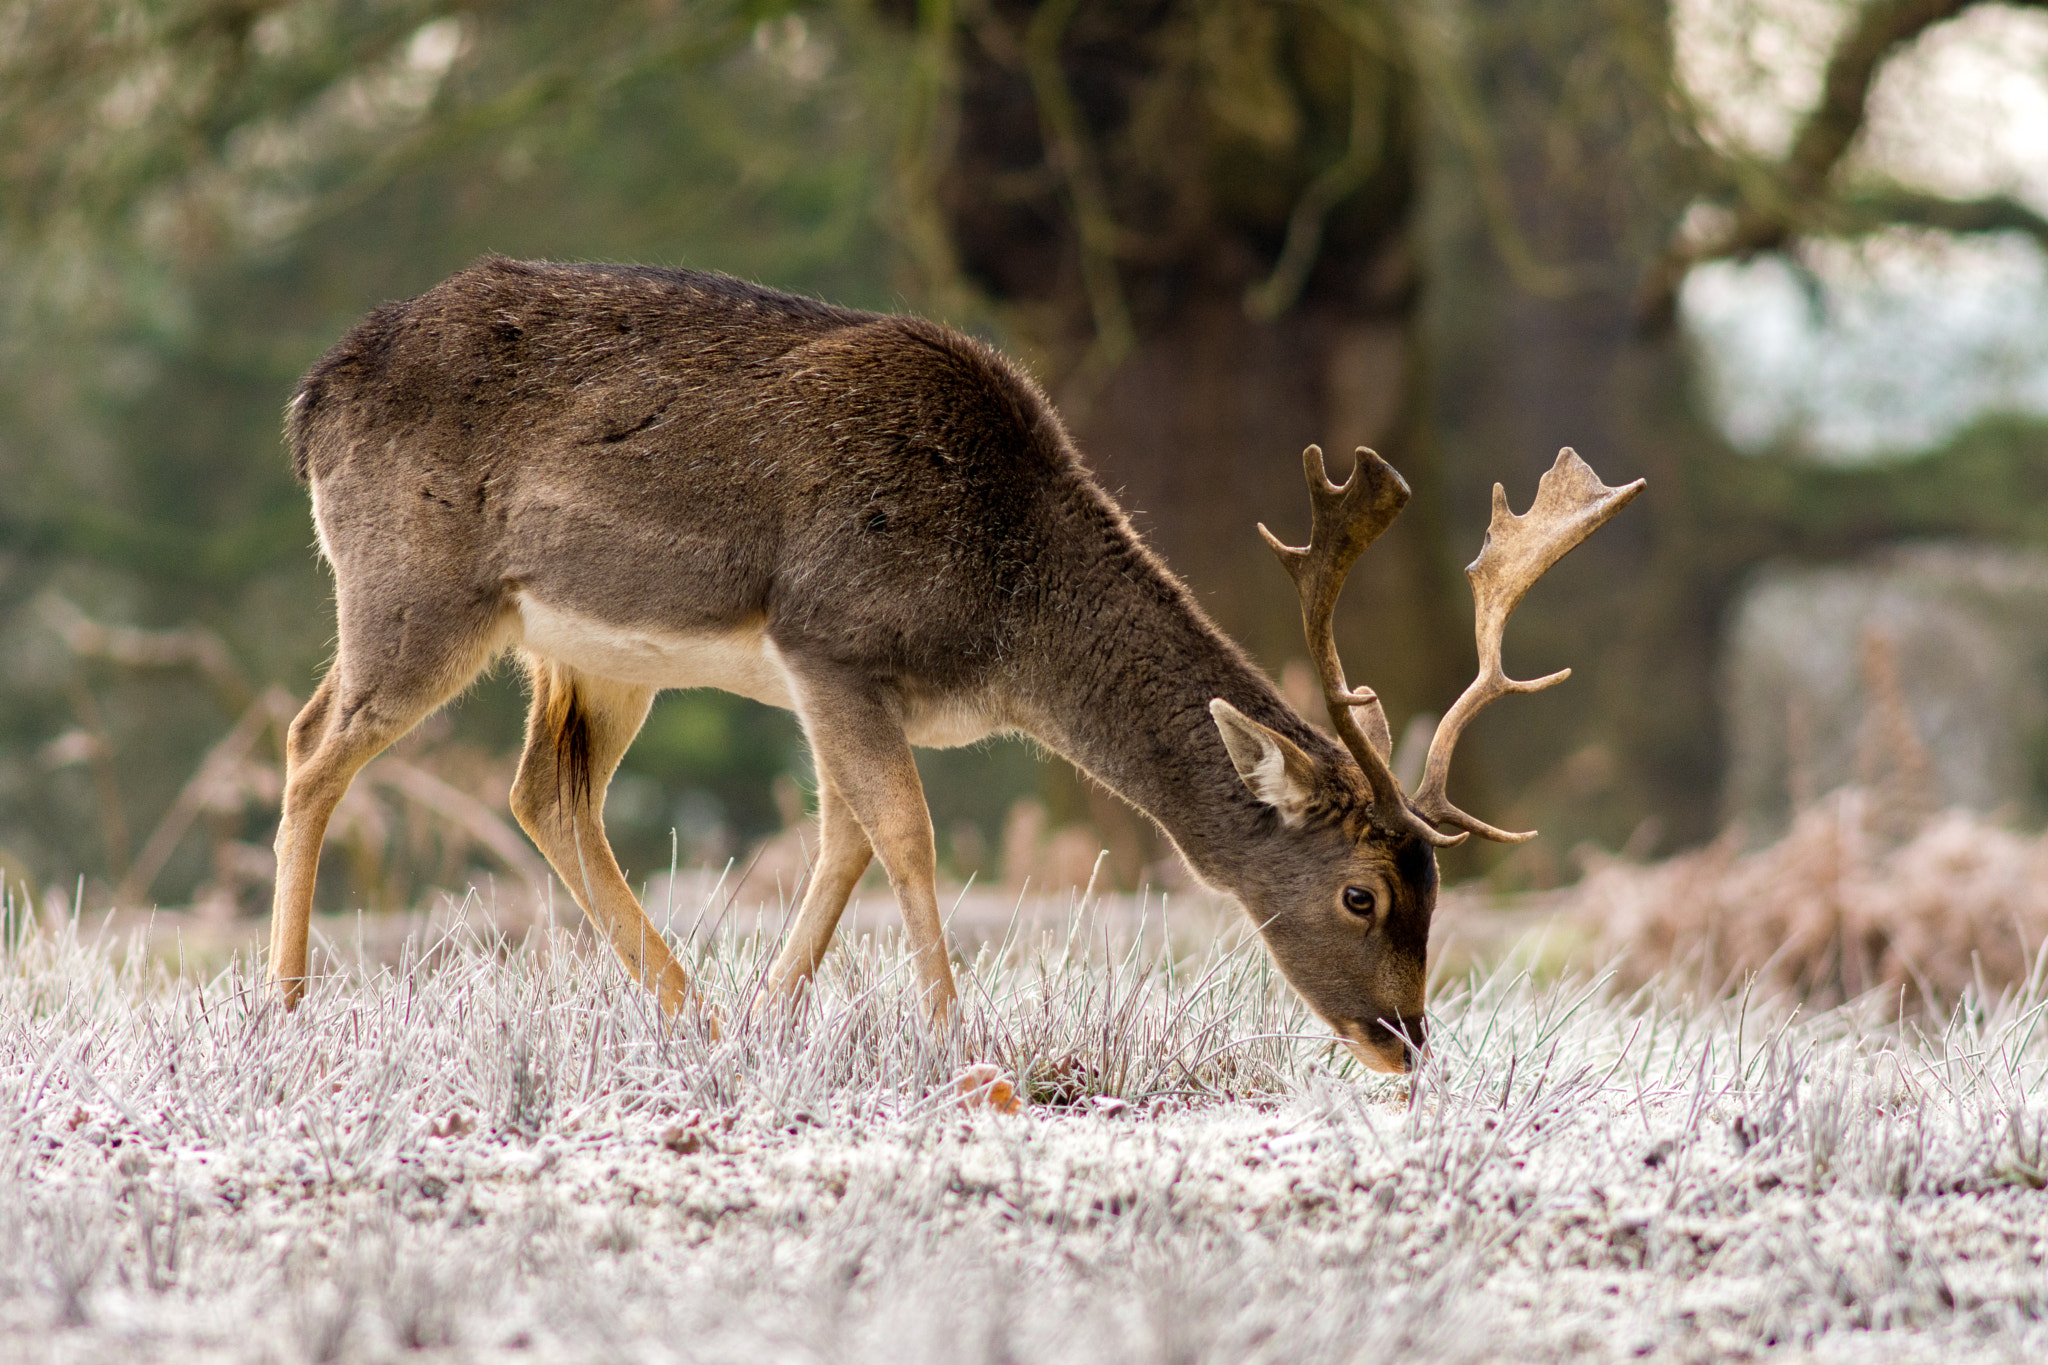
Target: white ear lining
<point x="1268" y="779"/>
<point x="1260" y="757"/>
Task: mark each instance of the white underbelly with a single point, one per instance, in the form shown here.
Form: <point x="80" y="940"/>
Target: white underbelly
<point x="740" y="661"/>
<point x="951" y="724"/>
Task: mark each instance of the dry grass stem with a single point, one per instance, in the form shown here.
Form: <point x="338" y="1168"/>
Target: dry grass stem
<point x="1851" y="901"/>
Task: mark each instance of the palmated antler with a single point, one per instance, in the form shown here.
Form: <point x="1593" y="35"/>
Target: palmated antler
<point x="1347" y="518"/>
<point x="1571" y="503"/>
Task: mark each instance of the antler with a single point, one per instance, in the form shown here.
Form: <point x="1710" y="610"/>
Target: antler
<point x="1571" y="503"/>
<point x="1347" y="518"/>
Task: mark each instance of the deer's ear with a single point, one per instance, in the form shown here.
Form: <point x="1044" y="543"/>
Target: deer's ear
<point x="1272" y="767"/>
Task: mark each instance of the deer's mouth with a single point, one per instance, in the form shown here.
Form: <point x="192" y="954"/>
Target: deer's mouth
<point x="1390" y="1048"/>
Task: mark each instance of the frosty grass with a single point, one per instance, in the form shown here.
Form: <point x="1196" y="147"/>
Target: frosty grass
<point x="496" y="1151"/>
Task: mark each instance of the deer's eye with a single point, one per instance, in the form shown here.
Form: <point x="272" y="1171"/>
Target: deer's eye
<point x="1360" y="901"/>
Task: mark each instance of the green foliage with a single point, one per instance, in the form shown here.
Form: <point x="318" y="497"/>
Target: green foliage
<point x="1989" y="483"/>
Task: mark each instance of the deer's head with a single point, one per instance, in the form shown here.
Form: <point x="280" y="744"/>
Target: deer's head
<point x="1346" y="913"/>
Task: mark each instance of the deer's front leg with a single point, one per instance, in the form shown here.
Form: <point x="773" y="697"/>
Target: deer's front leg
<point x="843" y="854"/>
<point x="862" y="755"/>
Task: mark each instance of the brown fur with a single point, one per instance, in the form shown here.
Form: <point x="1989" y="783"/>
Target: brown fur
<point x="889" y="513"/>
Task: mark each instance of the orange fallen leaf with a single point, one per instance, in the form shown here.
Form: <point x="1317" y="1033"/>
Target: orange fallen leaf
<point x="987" y="1086"/>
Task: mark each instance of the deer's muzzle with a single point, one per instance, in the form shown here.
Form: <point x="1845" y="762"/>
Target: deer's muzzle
<point x="1392" y="1045"/>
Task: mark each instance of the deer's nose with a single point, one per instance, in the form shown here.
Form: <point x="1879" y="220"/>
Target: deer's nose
<point x="1411" y="1031"/>
<point x="1393" y="1044"/>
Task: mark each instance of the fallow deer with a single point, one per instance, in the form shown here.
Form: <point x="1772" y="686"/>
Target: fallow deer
<point x="642" y="479"/>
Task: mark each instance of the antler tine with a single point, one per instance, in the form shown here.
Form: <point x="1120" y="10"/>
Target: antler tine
<point x="1571" y="503"/>
<point x="1348" y="517"/>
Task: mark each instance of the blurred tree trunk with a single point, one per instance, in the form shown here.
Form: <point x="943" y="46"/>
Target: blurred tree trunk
<point x="1202" y="219"/>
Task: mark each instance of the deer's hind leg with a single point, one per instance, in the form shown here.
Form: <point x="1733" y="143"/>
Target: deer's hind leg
<point x="396" y="663"/>
<point x="577" y="730"/>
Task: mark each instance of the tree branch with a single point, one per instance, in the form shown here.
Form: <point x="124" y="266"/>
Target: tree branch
<point x="1785" y="199"/>
<point x="1068" y="150"/>
<point x="1451" y="86"/>
<point x="1825" y="136"/>
<point x="1869" y="209"/>
<point x="1266" y="301"/>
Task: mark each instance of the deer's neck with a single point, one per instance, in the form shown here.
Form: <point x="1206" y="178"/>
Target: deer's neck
<point x="1128" y="667"/>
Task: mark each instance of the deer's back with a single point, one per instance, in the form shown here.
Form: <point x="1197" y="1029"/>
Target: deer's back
<point x="668" y="451"/>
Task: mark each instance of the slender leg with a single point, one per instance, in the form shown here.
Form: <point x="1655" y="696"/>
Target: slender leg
<point x="843" y="854"/>
<point x="576" y="732"/>
<point x="312" y="791"/>
<point x="392" y="670"/>
<point x="862" y="753"/>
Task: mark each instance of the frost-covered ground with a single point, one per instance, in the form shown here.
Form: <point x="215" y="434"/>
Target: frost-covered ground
<point x="494" y="1152"/>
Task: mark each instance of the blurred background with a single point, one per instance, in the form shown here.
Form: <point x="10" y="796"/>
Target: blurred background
<point x="1785" y="258"/>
